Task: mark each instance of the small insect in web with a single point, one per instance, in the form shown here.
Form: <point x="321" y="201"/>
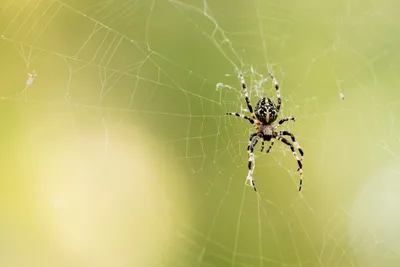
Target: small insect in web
<point x="31" y="78"/>
<point x="263" y="118"/>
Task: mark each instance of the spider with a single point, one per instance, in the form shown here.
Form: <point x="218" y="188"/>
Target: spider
<point x="263" y="117"/>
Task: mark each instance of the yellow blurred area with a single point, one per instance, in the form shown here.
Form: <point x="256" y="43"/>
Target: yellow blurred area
<point x="376" y="215"/>
<point x="104" y="196"/>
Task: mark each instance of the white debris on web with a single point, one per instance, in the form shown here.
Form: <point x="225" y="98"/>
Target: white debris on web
<point x="222" y="86"/>
<point x="242" y="109"/>
<point x="258" y="86"/>
<point x="341" y="96"/>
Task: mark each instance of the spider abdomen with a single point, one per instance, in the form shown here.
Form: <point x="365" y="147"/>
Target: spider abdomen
<point x="266" y="110"/>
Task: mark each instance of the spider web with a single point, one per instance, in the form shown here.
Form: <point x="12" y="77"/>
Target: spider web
<point x="117" y="150"/>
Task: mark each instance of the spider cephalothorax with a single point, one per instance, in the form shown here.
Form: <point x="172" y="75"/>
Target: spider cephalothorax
<point x="266" y="131"/>
<point x="265" y="113"/>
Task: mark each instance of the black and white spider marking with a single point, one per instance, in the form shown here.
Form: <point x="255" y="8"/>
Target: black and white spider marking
<point x="263" y="117"/>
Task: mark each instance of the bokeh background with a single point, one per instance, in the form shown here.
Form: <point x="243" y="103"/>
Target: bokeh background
<point x="116" y="150"/>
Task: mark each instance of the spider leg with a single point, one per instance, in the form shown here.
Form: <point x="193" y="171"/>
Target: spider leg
<point x="300" y="169"/>
<point x="270" y="146"/>
<point x="250" y="150"/>
<point x="294" y="141"/>
<point x="286" y="119"/>
<point x="246" y="94"/>
<point x="241" y="116"/>
<point x="249" y="144"/>
<point x="278" y="94"/>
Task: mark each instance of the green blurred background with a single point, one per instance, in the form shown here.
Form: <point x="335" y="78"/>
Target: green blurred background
<point x="115" y="150"/>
